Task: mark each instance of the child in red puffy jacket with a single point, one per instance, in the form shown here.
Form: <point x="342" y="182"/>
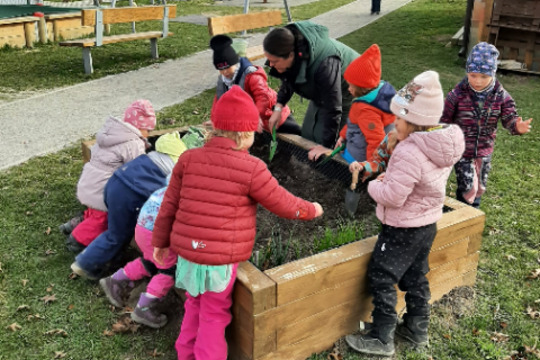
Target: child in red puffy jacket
<point x="208" y="218"/>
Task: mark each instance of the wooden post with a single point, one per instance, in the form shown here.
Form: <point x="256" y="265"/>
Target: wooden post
<point x="42" y="30"/>
<point x="30" y="33"/>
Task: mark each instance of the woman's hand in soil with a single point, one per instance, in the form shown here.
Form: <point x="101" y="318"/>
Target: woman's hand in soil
<point x="315" y="153"/>
<point x="318" y="209"/>
<point x="355" y="166"/>
<point x="160" y="254"/>
<point x="381" y="177"/>
<point x="523" y="127"/>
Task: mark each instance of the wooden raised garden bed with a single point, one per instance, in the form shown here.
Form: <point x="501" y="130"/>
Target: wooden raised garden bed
<point x="303" y="307"/>
<point x="300" y="308"/>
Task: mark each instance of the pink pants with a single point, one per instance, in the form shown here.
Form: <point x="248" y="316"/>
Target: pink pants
<point x="160" y="284"/>
<point x="202" y="335"/>
<point x="93" y="224"/>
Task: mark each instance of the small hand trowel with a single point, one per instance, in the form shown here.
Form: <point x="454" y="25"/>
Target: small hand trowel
<point x="273" y="144"/>
<point x="351" y="196"/>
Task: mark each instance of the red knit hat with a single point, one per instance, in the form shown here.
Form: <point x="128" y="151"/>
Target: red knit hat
<point x="235" y="111"/>
<point x="365" y="70"/>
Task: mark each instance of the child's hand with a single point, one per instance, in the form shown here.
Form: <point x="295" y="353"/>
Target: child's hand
<point x="339" y="142"/>
<point x="355" y="166"/>
<point x="318" y="209"/>
<point x="381" y="177"/>
<point x="160" y="254"/>
<point x="523" y="127"/>
<point x="315" y="153"/>
<point x="274" y="120"/>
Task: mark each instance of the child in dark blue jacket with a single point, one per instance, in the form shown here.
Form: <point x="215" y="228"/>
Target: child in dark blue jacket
<point x="125" y="193"/>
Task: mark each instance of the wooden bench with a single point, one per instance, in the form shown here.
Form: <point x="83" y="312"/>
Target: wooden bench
<point x="235" y="23"/>
<point x="100" y="17"/>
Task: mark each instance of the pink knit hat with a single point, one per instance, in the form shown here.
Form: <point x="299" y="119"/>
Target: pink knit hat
<point x="421" y="101"/>
<point x="235" y="111"/>
<point x="141" y="115"/>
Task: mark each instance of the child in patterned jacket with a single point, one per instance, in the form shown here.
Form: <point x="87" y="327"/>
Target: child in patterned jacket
<point x="477" y="104"/>
<point x="118" y="286"/>
<point x="409" y="200"/>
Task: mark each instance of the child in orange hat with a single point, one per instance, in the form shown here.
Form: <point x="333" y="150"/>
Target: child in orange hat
<point x="370" y="118"/>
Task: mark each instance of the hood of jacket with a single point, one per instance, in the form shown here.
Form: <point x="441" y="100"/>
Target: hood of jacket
<point x="443" y="146"/>
<point x="313" y="33"/>
<point x="380" y="97"/>
<point x="116" y="131"/>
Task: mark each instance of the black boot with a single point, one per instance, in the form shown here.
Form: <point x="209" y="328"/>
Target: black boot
<point x="379" y="341"/>
<point x="414" y="329"/>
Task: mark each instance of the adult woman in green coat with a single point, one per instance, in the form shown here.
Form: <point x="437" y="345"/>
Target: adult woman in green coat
<point x="311" y="64"/>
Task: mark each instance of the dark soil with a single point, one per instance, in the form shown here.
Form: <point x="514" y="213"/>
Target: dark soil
<point x="281" y="240"/>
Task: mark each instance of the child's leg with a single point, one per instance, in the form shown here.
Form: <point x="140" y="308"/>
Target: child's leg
<point x="190" y="326"/>
<point x="215" y="315"/>
<point x="416" y="286"/>
<point x="94" y="223"/>
<point x="124" y="205"/>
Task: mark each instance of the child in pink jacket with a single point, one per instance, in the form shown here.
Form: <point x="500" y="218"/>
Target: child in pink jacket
<point x="119" y="141"/>
<point x="208" y="218"/>
<point x="409" y="200"/>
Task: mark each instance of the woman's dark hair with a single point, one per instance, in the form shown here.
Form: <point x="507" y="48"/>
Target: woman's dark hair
<point x="279" y="42"/>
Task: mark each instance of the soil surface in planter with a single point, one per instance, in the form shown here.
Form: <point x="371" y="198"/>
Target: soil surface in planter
<point x="281" y="240"/>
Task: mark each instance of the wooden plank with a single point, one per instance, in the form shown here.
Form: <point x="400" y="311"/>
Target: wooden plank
<point x="448" y="253"/>
<point x="234" y="23"/>
<point x="303" y="277"/>
<point x="127" y="14"/>
<point x="18" y="20"/>
<point x="91" y="42"/>
<point x="261" y="287"/>
<point x="352" y="289"/>
<point x="458" y="224"/>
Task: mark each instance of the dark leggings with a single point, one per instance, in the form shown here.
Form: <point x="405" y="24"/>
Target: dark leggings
<point x="290" y="126"/>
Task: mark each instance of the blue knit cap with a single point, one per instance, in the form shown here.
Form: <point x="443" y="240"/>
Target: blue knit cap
<point x="483" y="59"/>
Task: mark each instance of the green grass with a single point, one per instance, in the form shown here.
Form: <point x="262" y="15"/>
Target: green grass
<point x="40" y="194"/>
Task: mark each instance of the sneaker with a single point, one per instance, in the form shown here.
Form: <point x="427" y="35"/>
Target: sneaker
<point x="73" y="245"/>
<point x="77" y="269"/>
<point x="115" y="290"/>
<point x="147" y="314"/>
<point x="370" y="345"/>
<point x="68" y="227"/>
<point x="414" y="329"/>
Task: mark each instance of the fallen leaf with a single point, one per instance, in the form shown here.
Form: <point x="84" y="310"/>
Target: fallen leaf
<point x="48" y="231"/>
<point x="1" y="268"/>
<point x="60" y="332"/>
<point x="510" y="257"/>
<point x="125" y="324"/>
<point x="495" y="231"/>
<point x="533" y="313"/>
<point x="23" y="307"/>
<point x="71" y="306"/>
<point x="28" y="213"/>
<point x="24" y="282"/>
<point x="155" y="353"/>
<point x="49" y="289"/>
<point x="503" y="325"/>
<point x="73" y="276"/>
<point x="35" y="317"/>
<point x="108" y="332"/>
<point x="49" y="298"/>
<point x="14" y="327"/>
<point x="476" y="332"/>
<point x="535" y="274"/>
<point x="195" y="112"/>
<point x="50" y="252"/>
<point x="532" y="350"/>
<point x="59" y="354"/>
<point x="447" y="336"/>
<point x="499" y="337"/>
